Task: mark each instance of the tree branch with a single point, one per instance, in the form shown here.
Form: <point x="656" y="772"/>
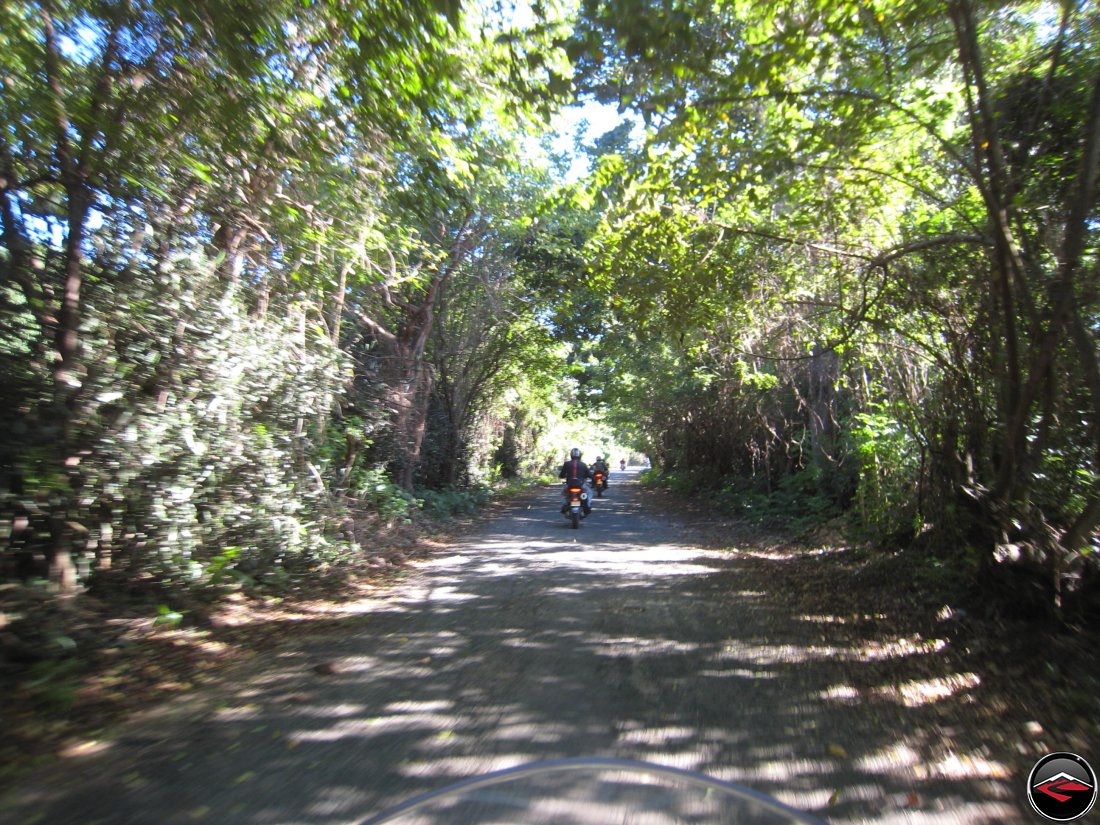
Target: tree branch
<point x="376" y="329"/>
<point x="100" y="94"/>
<point x="929" y="243"/>
<point x="881" y="259"/>
<point x="856" y="94"/>
<point x="1063" y="292"/>
<point x="18" y="265"/>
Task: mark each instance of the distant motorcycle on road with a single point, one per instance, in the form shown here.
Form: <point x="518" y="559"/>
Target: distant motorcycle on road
<point x="599" y="483"/>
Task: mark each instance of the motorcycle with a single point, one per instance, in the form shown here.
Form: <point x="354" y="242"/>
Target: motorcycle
<point x="592" y="792"/>
<point x="577" y="499"/>
<point x="599" y="483"/>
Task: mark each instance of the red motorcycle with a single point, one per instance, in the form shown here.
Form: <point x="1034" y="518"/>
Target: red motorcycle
<point x="599" y="483"/>
<point x="576" y="498"/>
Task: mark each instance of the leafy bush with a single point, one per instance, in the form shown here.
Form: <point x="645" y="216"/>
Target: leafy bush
<point x="196" y="424"/>
<point x="796" y="502"/>
<point x="453" y="501"/>
<point x="886" y="501"/>
<point x="379" y="494"/>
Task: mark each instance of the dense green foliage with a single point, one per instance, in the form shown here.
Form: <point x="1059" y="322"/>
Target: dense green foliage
<point x="239" y="241"/>
<point x="273" y="269"/>
<point x="859" y="251"/>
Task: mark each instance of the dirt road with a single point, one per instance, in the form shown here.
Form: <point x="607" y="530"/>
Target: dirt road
<point x="529" y="640"/>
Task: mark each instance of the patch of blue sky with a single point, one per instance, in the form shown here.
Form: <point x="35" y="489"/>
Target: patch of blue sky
<point x="573" y="128"/>
<point x="82" y="41"/>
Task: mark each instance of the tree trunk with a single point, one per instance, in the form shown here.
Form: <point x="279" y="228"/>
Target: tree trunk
<point x="410" y="424"/>
<point x="62" y="570"/>
<point x="74" y="173"/>
<point x="405" y="371"/>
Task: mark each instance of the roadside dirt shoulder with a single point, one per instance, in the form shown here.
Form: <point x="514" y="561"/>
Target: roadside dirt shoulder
<point x="1030" y="686"/>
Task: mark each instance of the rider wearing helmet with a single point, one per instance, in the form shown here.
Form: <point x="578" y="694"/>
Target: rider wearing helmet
<point x="600" y="466"/>
<point x="575" y="472"/>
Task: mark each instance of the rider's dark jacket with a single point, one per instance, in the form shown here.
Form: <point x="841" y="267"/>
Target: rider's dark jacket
<point x="574" y="470"/>
<point x="600" y="467"/>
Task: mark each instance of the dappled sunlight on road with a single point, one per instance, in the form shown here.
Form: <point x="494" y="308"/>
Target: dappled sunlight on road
<point x="771" y="653"/>
<point x="532" y="641"/>
<point x="537" y="676"/>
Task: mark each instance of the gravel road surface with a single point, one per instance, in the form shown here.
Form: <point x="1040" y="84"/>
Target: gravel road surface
<point x="530" y="640"/>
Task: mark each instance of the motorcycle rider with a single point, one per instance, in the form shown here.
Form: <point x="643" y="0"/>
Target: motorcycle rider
<point x="576" y="473"/>
<point x="600" y="466"/>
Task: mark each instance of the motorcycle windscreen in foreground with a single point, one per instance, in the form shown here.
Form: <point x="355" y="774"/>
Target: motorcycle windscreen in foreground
<point x="593" y="792"/>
